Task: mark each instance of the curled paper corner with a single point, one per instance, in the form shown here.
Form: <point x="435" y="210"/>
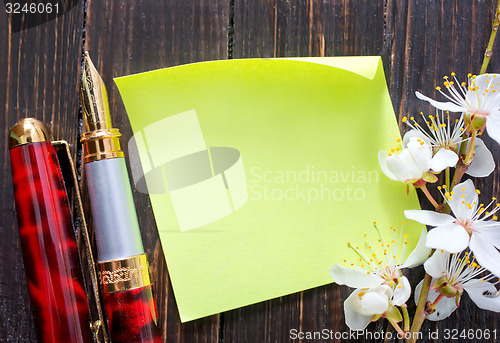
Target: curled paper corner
<point x="366" y="66"/>
<point x="204" y="184"/>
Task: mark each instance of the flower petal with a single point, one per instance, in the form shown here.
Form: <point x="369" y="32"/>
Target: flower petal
<point x="483" y="163"/>
<point x="421" y="152"/>
<point x="464" y="193"/>
<point x="401" y="292"/>
<point x="354" y="278"/>
<point x="483" y="81"/>
<point x="374" y="301"/>
<point x="480" y="100"/>
<point x="403" y="167"/>
<point x="493" y="126"/>
<point x="382" y="160"/>
<point x="490" y="230"/>
<point x="450" y="237"/>
<point x="414" y="133"/>
<point x="442" y="159"/>
<point x="436" y="265"/>
<point x="444" y="308"/>
<point x="353" y="319"/>
<point x="485" y="253"/>
<point x="466" y="188"/>
<point x="429" y="217"/>
<point x="483" y="294"/>
<point x="419" y="254"/>
<point x="445" y="106"/>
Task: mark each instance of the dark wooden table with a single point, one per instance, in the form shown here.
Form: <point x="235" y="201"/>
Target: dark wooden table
<point x="419" y="41"/>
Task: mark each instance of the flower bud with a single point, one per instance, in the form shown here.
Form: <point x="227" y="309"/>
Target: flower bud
<point x="475" y="121"/>
<point x="445" y="288"/>
<point x="450" y="291"/>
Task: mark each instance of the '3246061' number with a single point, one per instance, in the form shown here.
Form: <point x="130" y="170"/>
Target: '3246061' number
<point x="31" y="8"/>
<point x="455" y="334"/>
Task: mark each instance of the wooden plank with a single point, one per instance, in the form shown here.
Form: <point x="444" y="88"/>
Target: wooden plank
<point x="126" y="37"/>
<point x="281" y="28"/>
<point x="39" y="69"/>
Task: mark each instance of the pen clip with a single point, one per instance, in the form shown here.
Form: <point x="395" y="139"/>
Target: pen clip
<point x="98" y="326"/>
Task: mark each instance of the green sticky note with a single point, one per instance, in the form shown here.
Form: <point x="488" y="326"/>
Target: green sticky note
<point x="259" y="172"/>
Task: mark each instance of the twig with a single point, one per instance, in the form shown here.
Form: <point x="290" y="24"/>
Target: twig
<point x="459" y="172"/>
<point x="438" y="299"/>
<point x="406" y="318"/>
<point x="396" y="327"/>
<point x="431" y="198"/>
<point x="420" y="313"/>
<point x="489" y="49"/>
<point x="467" y="158"/>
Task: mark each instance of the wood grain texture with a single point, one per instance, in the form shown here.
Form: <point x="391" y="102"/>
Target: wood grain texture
<point x="280" y="28"/>
<point x="126" y="37"/>
<point x="419" y="41"/>
<point x="39" y="69"/>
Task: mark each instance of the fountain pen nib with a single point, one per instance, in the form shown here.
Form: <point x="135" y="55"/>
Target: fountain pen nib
<point x="94" y="98"/>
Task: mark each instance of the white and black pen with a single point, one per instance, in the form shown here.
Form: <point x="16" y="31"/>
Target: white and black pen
<point x="123" y="266"/>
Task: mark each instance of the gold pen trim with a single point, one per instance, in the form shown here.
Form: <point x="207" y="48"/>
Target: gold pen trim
<point x="125" y="274"/>
<point x="101" y="144"/>
<point x="28" y="130"/>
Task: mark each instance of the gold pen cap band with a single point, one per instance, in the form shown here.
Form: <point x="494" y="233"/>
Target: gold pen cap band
<point x="28" y="130"/>
<point x="101" y="144"/>
<point x="125" y="274"/>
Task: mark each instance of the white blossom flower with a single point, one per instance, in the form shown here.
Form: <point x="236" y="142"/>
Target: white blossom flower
<point x="364" y="305"/>
<point x="478" y="99"/>
<point x="445" y="137"/>
<point x="469" y="226"/>
<point x="452" y="274"/>
<point x="379" y="282"/>
<point x="412" y="163"/>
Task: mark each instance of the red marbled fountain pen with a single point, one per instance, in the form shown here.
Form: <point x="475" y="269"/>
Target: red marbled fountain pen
<point x="50" y="252"/>
<point x="123" y="267"/>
